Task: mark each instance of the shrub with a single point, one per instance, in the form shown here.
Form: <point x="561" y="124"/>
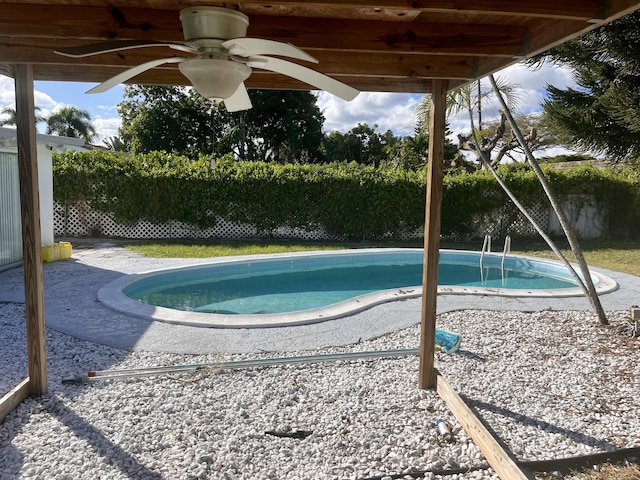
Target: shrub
<point x="346" y="199"/>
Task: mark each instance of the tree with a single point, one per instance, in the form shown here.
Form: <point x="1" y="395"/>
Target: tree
<point x="71" y="122"/>
<point x="603" y="114"/>
<point x="585" y="282"/>
<point x="282" y="126"/>
<point x="334" y="147"/>
<point x="411" y="152"/>
<point x="507" y="144"/>
<point x="115" y="143"/>
<point x="171" y="119"/>
<point x="12" y="116"/>
<point x="362" y="144"/>
<point x="469" y="99"/>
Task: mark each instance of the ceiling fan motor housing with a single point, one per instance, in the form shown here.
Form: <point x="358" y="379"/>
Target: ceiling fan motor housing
<point x="213" y="23"/>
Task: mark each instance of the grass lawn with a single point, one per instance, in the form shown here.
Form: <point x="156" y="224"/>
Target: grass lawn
<point x="620" y="256"/>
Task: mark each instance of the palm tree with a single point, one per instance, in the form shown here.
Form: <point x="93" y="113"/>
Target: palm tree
<point x="586" y="283"/>
<point x="12" y="119"/>
<point x="471" y="99"/>
<point x="465" y="99"/>
<point x="71" y="122"/>
<point x="116" y="144"/>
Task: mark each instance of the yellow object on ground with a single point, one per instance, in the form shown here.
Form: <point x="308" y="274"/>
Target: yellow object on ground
<point x="56" y="251"/>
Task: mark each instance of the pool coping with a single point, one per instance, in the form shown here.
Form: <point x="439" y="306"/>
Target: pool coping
<point x="112" y="297"/>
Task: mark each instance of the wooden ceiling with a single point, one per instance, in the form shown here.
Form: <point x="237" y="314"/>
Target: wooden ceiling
<point x="385" y="45"/>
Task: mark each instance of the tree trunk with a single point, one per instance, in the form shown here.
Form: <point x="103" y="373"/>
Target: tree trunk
<point x="242" y="130"/>
<point x="573" y="241"/>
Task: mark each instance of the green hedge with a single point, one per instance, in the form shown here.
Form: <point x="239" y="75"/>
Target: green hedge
<point x="355" y="201"/>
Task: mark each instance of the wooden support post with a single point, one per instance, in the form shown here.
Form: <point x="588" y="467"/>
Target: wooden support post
<point x="427" y="377"/>
<point x="499" y="459"/>
<point x="31" y="236"/>
<point x="13" y="398"/>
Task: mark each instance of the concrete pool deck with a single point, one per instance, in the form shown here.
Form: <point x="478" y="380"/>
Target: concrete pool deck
<point x="71" y="307"/>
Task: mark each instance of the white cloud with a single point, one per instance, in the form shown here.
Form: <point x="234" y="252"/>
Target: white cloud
<point x="533" y="83"/>
<point x="7" y="91"/>
<point x="42" y="100"/>
<point x="105" y="128"/>
<point x="396" y="111"/>
<point x="47" y="104"/>
<point x="107" y="109"/>
<point x="390" y="111"/>
<point x="531" y="91"/>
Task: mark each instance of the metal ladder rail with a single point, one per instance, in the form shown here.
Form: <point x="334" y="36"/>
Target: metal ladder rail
<point x="486" y="247"/>
<point x="506" y="250"/>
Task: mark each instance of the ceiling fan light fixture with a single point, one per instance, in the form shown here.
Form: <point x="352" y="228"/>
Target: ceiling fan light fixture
<point x="214" y="78"/>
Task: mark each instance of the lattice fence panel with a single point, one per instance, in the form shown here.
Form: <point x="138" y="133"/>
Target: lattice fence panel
<point x="80" y="220"/>
<point x="508" y="220"/>
<point x="76" y="220"/>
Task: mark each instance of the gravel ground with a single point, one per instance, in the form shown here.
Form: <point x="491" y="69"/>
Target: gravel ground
<point x="550" y="384"/>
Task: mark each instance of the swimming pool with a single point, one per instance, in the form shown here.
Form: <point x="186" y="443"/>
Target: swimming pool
<point x="292" y="289"/>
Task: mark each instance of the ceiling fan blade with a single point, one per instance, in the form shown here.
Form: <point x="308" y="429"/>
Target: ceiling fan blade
<point x="116" y="46"/>
<point x="132" y="72"/>
<point x="248" y="47"/>
<point x="238" y="101"/>
<point x="316" y="79"/>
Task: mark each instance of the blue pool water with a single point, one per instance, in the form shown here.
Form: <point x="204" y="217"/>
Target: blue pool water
<point x="303" y="282"/>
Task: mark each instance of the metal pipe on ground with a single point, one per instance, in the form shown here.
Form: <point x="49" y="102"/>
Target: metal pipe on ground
<point x="100" y="375"/>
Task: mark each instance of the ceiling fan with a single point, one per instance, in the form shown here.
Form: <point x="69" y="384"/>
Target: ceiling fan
<point x="224" y="58"/>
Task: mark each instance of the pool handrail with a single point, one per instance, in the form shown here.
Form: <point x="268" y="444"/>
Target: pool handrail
<point x="505" y="251"/>
<point x="486" y="246"/>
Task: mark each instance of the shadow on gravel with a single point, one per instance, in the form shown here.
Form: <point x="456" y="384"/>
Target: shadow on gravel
<point x="470" y="355"/>
<point x="104" y="450"/>
<point x="540" y="424"/>
<point x="71" y="308"/>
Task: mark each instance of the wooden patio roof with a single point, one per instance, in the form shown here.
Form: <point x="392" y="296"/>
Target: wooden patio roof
<point x="384" y="45"/>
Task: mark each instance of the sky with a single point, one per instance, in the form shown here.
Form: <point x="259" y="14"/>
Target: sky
<point x="389" y="111"/>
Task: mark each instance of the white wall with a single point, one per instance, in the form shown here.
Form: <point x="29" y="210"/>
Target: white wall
<point x="584" y="215"/>
<point x="10" y="225"/>
<point x="45" y="184"/>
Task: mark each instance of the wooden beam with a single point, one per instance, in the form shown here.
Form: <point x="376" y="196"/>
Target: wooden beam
<point x="437" y="129"/>
<point x="31" y="236"/>
<point x="265" y="80"/>
<point x="550" y="33"/>
<point x="392" y="65"/>
<point x="574" y="9"/>
<point x="377" y="36"/>
<point x="12" y="399"/>
<point x="500" y="460"/>
<point x="83" y="22"/>
<point x="98" y="24"/>
<point x="6" y="70"/>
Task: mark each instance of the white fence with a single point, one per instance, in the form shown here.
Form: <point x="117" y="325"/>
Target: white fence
<point x="80" y="220"/>
<point x="587" y="221"/>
